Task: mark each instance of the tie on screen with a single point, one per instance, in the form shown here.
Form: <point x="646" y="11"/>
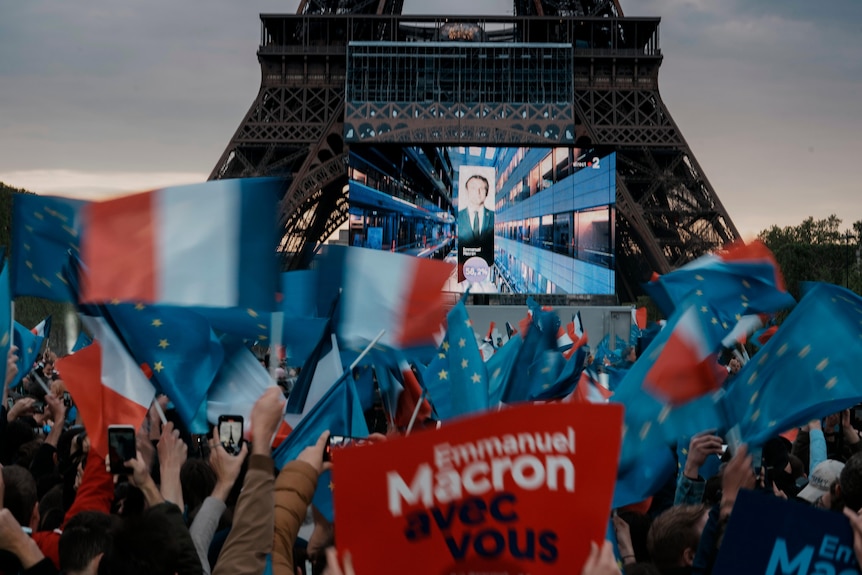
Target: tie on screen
<point x="476" y="222"/>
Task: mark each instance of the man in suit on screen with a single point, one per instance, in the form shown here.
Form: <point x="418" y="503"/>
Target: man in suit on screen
<point x="475" y="221"/>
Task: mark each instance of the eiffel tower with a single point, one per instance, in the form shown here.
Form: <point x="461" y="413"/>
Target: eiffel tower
<point x="330" y="77"/>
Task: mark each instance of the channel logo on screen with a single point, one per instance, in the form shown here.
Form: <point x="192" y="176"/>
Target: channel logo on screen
<point x="595" y="163"/>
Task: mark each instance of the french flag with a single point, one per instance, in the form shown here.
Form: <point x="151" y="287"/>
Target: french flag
<point x="210" y="244"/>
<point x="109" y="388"/>
<point x="397" y="293"/>
<point x="43" y="328"/>
<point x="410" y="397"/>
<point x="687" y="366"/>
<point x="577" y="334"/>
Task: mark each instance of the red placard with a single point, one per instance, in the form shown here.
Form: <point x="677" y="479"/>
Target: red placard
<point x="520" y="491"/>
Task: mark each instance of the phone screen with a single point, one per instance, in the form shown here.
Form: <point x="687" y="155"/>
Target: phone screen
<point x="121" y="448"/>
<point x="230" y="433"/>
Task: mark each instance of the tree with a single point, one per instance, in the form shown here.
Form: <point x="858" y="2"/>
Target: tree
<point x="816" y="250"/>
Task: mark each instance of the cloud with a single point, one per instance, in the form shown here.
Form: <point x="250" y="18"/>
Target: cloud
<point x="95" y="185"/>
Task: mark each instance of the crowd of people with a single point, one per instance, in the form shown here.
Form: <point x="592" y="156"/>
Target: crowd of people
<point x="187" y="506"/>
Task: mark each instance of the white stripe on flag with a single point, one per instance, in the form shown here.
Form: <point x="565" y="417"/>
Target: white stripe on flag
<point x="197" y="237"/>
<point x="119" y="371"/>
<point x="379" y="301"/>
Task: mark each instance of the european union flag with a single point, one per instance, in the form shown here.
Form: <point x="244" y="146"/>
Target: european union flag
<point x="808" y="369"/>
<point x="644" y="476"/>
<point x="650" y="423"/>
<point x="338" y="411"/>
<point x="302" y="327"/>
<point x="566" y="380"/>
<point x="533" y="368"/>
<point x="29" y="345"/>
<point x="499" y="367"/>
<point x="467" y="376"/>
<point x="435" y="380"/>
<point x="456" y="379"/>
<point x="744" y="280"/>
<point x="82" y="341"/>
<point x="44" y="230"/>
<point x="322" y="368"/>
<point x="604" y="355"/>
<point x="177" y="344"/>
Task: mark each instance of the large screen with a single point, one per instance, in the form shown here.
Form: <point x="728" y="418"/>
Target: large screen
<point x="523" y="220"/>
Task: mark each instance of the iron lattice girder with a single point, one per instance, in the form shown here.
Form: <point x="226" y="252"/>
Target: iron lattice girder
<point x="567" y="8"/>
<point x="290" y="114"/>
<point x="539" y="124"/>
<point x="626" y="116"/>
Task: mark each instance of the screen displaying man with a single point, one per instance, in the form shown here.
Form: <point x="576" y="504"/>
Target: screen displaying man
<point x="475" y="224"/>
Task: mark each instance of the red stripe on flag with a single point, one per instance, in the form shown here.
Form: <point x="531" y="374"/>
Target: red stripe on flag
<point x="98" y="405"/>
<point x="408" y="398"/>
<point x="281" y="433"/>
<point x="641" y="317"/>
<point x="755" y="251"/>
<point x="681" y="373"/>
<point x="118" y="249"/>
<point x="424" y="308"/>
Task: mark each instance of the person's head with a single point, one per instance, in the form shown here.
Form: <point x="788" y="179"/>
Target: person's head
<point x="20" y="496"/>
<point x="733" y="366"/>
<point x="51" y="510"/>
<point x="630" y="354"/>
<point x="198" y="481"/>
<point x="85" y="539"/>
<point x="639" y="525"/>
<point x="141" y="545"/>
<point x="820" y="482"/>
<point x="477" y="190"/>
<point x="675" y="534"/>
<point x="18" y="432"/>
<point x="850" y="483"/>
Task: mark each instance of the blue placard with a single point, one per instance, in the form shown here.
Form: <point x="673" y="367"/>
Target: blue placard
<point x="769" y="535"/>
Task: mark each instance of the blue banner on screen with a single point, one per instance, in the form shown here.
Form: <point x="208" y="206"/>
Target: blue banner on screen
<point x="773" y="536"/>
<point x="518" y="220"/>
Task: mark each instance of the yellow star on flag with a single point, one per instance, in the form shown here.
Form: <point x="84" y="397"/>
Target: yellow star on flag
<point x="443" y="374"/>
<point x="156" y="323"/>
<point x="163" y="343"/>
<point x="159" y="366"/>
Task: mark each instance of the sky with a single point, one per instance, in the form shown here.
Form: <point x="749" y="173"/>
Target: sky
<point x="99" y="97"/>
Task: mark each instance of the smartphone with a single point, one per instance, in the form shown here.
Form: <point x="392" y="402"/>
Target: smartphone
<point x="38" y="407"/>
<point x="230" y="433"/>
<point x="67" y="399"/>
<point x="10" y="403"/>
<point x="338" y="441"/>
<point x="121" y="448"/>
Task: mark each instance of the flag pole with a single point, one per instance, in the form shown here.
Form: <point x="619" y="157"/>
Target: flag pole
<point x="415" y="413"/>
<point x="41" y="382"/>
<point x="276" y="328"/>
<point x="160" y="411"/>
<point x="367" y="349"/>
<point x="359" y="358"/>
